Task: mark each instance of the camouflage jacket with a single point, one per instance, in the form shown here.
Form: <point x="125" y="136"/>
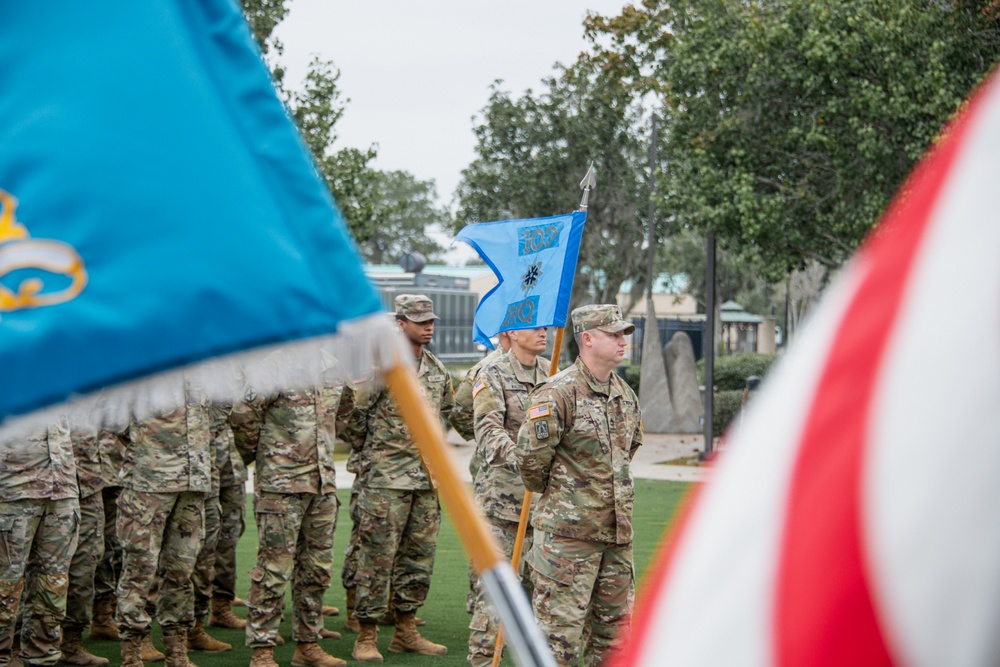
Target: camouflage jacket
<point x="501" y="400"/>
<point x="292" y="436"/>
<point x="228" y="468"/>
<point x="98" y="459"/>
<point x="389" y="457"/>
<point x="41" y="466"/>
<point x="576" y="447"/>
<point x="462" y="415"/>
<point x="170" y="453"/>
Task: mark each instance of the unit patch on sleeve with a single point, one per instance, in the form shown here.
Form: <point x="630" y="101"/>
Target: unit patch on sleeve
<point x="541" y="430"/>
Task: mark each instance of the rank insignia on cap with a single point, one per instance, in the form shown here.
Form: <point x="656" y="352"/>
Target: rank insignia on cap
<point x="541" y="430"/>
<point x="478" y="387"/>
<point x="538" y="411"/>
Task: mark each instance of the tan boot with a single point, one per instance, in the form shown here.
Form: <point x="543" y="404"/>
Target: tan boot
<point x="103" y="624"/>
<point x="175" y="648"/>
<point x="199" y="640"/>
<point x="263" y="657"/>
<point x="237" y="602"/>
<point x="73" y="652"/>
<point x="351" y="624"/>
<point x="222" y="616"/>
<point x="329" y="634"/>
<point x="309" y="654"/>
<point x="148" y="652"/>
<point x="366" y="645"/>
<point x="406" y="639"/>
<point x="132" y="651"/>
<point x="330" y="611"/>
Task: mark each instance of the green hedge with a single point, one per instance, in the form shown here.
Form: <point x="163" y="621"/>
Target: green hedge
<point x="731" y="371"/>
<point x="725" y="407"/>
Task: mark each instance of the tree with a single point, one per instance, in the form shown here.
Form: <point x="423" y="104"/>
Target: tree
<point x="532" y="153"/>
<point x="792" y="122"/>
<point x="408" y="211"/>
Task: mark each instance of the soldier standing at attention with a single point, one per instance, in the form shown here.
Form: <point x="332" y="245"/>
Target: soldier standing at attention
<point x="398" y="509"/>
<point x="575" y="449"/>
<point x="295" y="507"/>
<point x="500" y="398"/>
<point x="166" y="474"/>
<point x="39" y="520"/>
<point x="109" y="569"/>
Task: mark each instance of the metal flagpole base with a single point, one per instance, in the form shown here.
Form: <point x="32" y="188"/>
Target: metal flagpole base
<point x="529" y="647"/>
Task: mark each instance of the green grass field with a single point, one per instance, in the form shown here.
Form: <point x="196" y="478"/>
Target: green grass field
<point x="447" y="621"/>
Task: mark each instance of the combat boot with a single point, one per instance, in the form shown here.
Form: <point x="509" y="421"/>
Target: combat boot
<point x="366" y="645"/>
<point x="309" y="654"/>
<point x="263" y="657"/>
<point x="351" y="624"/>
<point x="222" y="616"/>
<point x="406" y="639"/>
<point x="328" y="634"/>
<point x="132" y="650"/>
<point x="237" y="602"/>
<point x="199" y="640"/>
<point x="175" y="648"/>
<point x="148" y="652"/>
<point x="390" y="619"/>
<point x="103" y="624"/>
<point x="330" y="611"/>
<point x="73" y="652"/>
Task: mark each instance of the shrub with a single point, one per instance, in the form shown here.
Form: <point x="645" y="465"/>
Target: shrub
<point x="726" y="407"/>
<point x="731" y="371"/>
<point x="631" y="375"/>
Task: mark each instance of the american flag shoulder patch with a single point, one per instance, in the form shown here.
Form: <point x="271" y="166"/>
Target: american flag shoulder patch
<point x="478" y="387"/>
<point x="538" y="412"/>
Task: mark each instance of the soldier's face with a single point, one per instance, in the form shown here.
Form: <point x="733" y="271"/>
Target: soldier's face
<point x="608" y="347"/>
<point x="418" y="333"/>
<point x="530" y="340"/>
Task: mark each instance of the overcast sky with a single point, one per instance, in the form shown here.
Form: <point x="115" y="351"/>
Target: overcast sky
<point x="417" y="71"/>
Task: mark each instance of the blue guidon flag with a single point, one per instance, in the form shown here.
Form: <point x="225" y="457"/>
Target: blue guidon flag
<point x="534" y="261"/>
<point x="158" y="210"/>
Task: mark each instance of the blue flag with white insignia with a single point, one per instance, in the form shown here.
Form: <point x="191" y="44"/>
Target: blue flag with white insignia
<point x="158" y="208"/>
<point x="534" y="261"/>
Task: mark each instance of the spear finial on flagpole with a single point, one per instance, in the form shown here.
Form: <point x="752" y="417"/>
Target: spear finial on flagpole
<point x="588" y="183"/>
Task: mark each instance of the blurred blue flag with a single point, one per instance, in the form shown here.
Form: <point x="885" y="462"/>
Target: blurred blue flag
<point x="535" y="261"/>
<point x="158" y="206"/>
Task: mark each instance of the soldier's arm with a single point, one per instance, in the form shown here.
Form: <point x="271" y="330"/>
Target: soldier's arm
<point x="246" y="420"/>
<point x="492" y="440"/>
<point x="536" y="441"/>
<point x="636" y="437"/>
<point x="462" y="414"/>
<point x="354" y="420"/>
<point x="447" y="400"/>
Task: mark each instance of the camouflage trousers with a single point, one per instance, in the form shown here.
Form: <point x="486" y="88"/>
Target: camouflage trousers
<point x="232" y="523"/>
<point x="109" y="570"/>
<point x="350" y="568"/>
<point x="162" y="530"/>
<point x="204" y="566"/>
<point x="295" y="543"/>
<point x="580" y="583"/>
<point x="484" y="624"/>
<point x="83" y="566"/>
<point x="37" y="540"/>
<point x="397" y="541"/>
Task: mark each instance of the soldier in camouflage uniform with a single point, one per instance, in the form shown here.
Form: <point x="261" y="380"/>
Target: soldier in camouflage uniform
<point x="204" y="568"/>
<point x="575" y="448"/>
<point x="398" y="510"/>
<point x="95" y="453"/>
<point x="350" y="431"/>
<point x="500" y="399"/>
<point x="39" y="520"/>
<point x="166" y="474"/>
<point x="109" y="568"/>
<point x="295" y="507"/>
<point x="232" y="523"/>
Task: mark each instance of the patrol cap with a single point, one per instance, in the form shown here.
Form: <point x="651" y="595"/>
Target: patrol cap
<point x="415" y="307"/>
<point x="606" y="317"/>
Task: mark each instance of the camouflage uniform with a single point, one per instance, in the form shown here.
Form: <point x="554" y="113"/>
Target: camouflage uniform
<point x="109" y="568"/>
<point x="232" y="519"/>
<point x="398" y="510"/>
<point x="295" y="507"/>
<point x="166" y="475"/>
<point x="500" y="400"/>
<point x="204" y="570"/>
<point x="39" y="519"/>
<point x="95" y="455"/>
<point x="575" y="448"/>
<point x="349" y="432"/>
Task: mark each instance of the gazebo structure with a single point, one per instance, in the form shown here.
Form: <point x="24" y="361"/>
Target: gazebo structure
<point x="740" y="329"/>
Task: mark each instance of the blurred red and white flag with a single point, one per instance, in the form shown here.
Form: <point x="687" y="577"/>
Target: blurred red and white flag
<point x="855" y="519"/>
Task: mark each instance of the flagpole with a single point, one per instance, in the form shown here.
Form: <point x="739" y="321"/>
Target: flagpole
<point x="587" y="184"/>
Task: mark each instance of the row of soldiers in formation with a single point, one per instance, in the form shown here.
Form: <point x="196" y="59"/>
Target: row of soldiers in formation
<point x="179" y="496"/>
